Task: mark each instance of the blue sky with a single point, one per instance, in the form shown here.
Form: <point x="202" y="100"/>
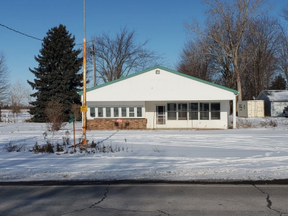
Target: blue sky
<point x="160" y="21"/>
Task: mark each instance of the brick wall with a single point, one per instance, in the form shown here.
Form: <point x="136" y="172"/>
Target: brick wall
<point x="112" y="124"/>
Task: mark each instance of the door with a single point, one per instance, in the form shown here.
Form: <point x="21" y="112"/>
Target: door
<point x="160" y="115"/>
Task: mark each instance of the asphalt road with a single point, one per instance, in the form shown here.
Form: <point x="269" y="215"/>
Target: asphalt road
<point x="144" y="199"/>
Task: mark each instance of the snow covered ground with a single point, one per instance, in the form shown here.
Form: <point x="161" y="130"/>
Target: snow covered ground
<point x="257" y="150"/>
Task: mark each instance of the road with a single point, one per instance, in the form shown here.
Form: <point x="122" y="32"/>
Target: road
<point x="144" y="200"/>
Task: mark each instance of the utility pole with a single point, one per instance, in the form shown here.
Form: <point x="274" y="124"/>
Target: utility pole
<point x="94" y="63"/>
<point x="84" y="107"/>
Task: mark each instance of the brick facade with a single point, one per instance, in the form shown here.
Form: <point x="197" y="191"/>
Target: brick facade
<point x="112" y="124"/>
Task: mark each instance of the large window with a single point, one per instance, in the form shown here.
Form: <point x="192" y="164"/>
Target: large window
<point x="123" y="111"/>
<point x="182" y="111"/>
<point x="92" y="111"/>
<point x="172" y="111"/>
<point x="116" y="112"/>
<point x="100" y="111"/>
<point x="215" y="111"/>
<point x="204" y="111"/>
<point x="193" y="111"/>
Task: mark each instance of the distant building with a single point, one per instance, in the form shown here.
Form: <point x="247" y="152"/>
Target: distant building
<point x="159" y="98"/>
<point x="275" y="101"/>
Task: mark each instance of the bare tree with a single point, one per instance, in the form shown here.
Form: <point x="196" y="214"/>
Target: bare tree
<point x="262" y="43"/>
<point x="226" y="25"/>
<point x="120" y="55"/>
<point x="4" y="75"/>
<point x="193" y="61"/>
<point x="18" y="97"/>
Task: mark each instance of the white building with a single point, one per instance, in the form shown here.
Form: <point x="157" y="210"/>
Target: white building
<point x="159" y="98"/>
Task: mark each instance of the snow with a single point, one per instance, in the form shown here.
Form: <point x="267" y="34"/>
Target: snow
<point x="277" y="95"/>
<point x="259" y="152"/>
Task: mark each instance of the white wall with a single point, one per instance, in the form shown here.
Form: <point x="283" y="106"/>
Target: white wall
<point x="166" y="86"/>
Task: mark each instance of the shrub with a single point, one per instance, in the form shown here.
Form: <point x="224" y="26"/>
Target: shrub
<point x="55" y="115"/>
<point x="263" y="124"/>
<point x="244" y="124"/>
<point x="11" y="148"/>
<point x="59" y="148"/>
<point x="273" y="123"/>
<point x="47" y="148"/>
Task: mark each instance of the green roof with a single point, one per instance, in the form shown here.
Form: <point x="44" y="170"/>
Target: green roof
<point x="163" y="68"/>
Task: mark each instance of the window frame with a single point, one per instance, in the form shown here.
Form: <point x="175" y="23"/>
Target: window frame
<point x="204" y="114"/>
<point x="131" y="112"/>
<point x="92" y="109"/>
<point x="108" y="112"/>
<point x="218" y="111"/>
<point x="170" y="112"/>
<point x="140" y="111"/>
<point x="182" y="112"/>
<point x="114" y="112"/>
<point x="124" y="110"/>
<point x="193" y="111"/>
<point x="98" y="111"/>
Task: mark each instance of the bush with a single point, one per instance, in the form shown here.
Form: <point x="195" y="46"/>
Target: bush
<point x="47" y="148"/>
<point x="244" y="124"/>
<point x="55" y="116"/>
<point x="273" y="123"/>
<point x="59" y="148"/>
<point x="12" y="148"/>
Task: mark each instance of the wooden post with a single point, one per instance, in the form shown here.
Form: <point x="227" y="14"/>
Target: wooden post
<point x="74" y="133"/>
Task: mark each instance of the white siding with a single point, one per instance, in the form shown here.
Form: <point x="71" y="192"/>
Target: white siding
<point x="165" y="86"/>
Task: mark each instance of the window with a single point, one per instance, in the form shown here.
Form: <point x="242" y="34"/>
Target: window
<point x="92" y="111"/>
<point x="108" y="111"/>
<point x="116" y="112"/>
<point x="131" y="111"/>
<point x="100" y="111"/>
<point x="204" y="111"/>
<point x="139" y="111"/>
<point x="193" y="111"/>
<point x="215" y="111"/>
<point x="182" y="111"/>
<point x="171" y="111"/>
<point x="123" y="112"/>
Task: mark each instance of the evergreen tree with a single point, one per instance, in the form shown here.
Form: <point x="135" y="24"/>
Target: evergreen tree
<point x="57" y="74"/>
<point x="279" y="83"/>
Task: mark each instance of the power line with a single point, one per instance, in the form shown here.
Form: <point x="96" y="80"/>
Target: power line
<point x="21" y="32"/>
<point x="35" y="38"/>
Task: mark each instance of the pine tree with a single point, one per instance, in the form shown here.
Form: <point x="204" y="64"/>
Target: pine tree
<point x="279" y="83"/>
<point x="57" y="74"/>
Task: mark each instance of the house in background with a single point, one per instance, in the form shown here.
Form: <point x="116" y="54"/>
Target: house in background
<point x="275" y="101"/>
<point x="159" y="98"/>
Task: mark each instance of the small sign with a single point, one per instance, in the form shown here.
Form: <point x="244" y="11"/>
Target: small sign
<point x="84" y="108"/>
<point x="72" y="119"/>
<point x="119" y="120"/>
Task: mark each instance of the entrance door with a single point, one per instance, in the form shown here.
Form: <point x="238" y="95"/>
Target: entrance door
<point x="160" y="115"/>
